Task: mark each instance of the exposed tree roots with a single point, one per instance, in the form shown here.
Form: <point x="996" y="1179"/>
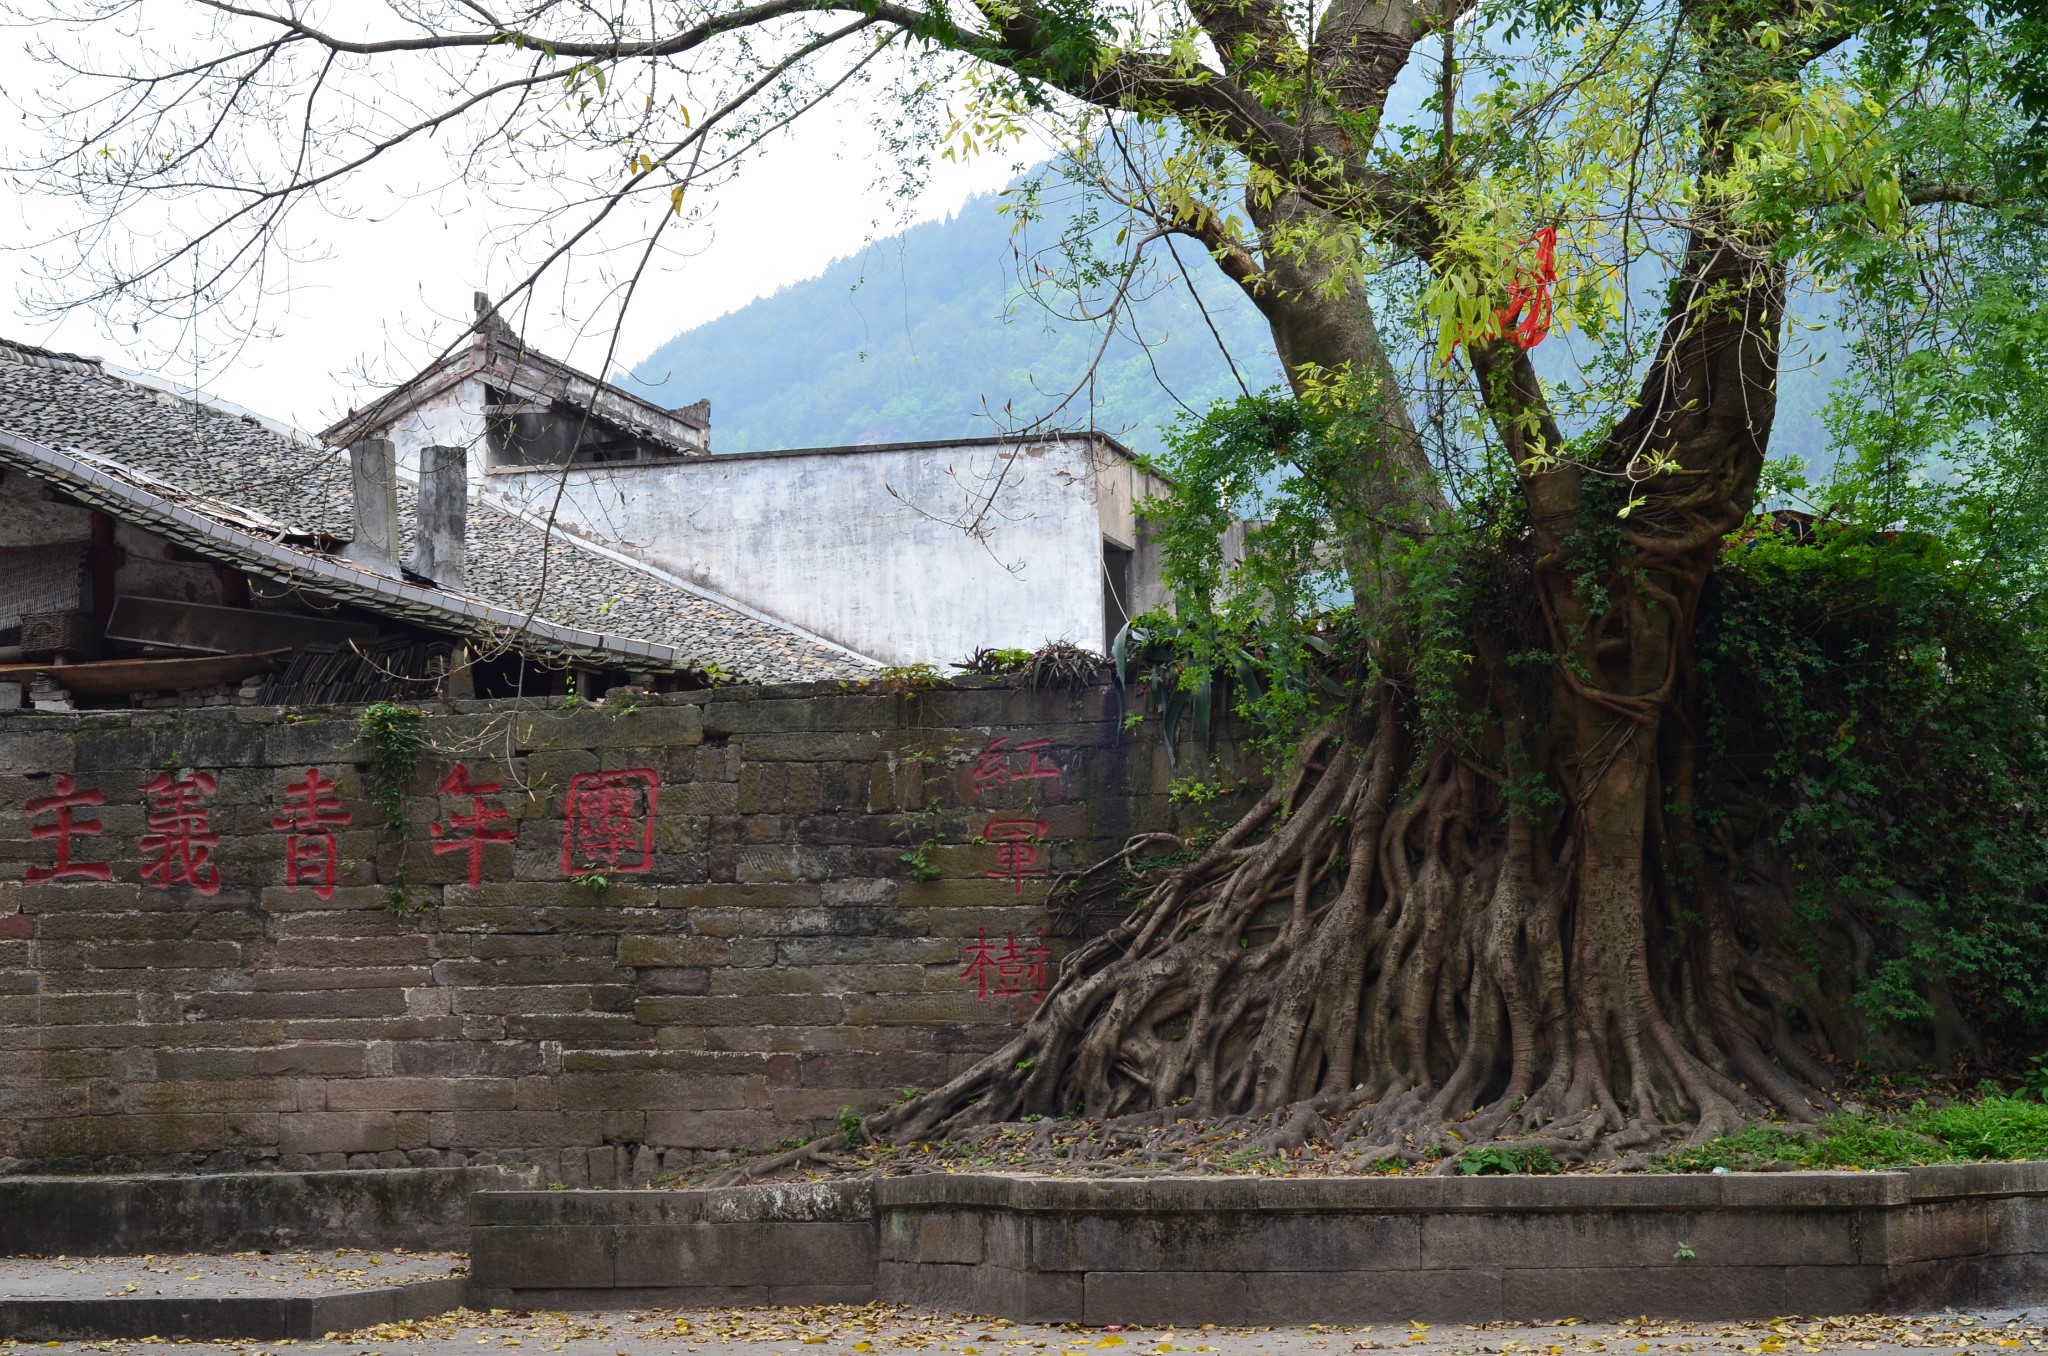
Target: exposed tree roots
<point x="1388" y="959"/>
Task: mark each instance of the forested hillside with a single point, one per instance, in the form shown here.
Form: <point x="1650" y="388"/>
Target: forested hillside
<point x="930" y="334"/>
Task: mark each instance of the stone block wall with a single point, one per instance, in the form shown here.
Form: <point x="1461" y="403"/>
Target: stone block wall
<point x="642" y="933"/>
<point x="1250" y="1251"/>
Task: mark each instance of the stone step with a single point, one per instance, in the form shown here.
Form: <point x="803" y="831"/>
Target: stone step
<point x="257" y="1296"/>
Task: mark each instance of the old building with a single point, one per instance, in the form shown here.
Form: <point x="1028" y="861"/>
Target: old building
<point x="906" y="552"/>
<point x="160" y="550"/>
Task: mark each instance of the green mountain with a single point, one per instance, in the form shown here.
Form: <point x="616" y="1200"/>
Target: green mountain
<point x="930" y="334"/>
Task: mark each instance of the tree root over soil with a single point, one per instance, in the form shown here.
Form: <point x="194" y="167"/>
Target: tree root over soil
<point x="1388" y="959"/>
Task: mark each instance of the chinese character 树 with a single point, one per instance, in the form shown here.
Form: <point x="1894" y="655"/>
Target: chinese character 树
<point x="64" y="829"/>
<point x="610" y="821"/>
<point x="477" y="821"/>
<point x="312" y="811"/>
<point x="179" y="840"/>
<point x="1007" y="973"/>
<point x="992" y="763"/>
<point x="1016" y="842"/>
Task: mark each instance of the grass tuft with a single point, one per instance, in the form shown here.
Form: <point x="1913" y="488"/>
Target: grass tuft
<point x="1996" y="1128"/>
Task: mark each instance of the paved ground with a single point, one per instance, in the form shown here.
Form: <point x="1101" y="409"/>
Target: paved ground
<point x="199" y="1275"/>
<point x="847" y="1330"/>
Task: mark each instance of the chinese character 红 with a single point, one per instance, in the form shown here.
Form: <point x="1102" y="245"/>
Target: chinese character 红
<point x="60" y="805"/>
<point x="1007" y="973"/>
<point x="312" y="812"/>
<point x="179" y="840"/>
<point x="609" y="822"/>
<point x="992" y="763"/>
<point x="1016" y="842"/>
<point x="477" y="821"/>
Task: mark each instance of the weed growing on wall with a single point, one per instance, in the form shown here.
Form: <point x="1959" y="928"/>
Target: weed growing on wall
<point x="395" y="735"/>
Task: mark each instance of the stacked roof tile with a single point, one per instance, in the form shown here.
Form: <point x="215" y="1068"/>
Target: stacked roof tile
<point x="258" y="495"/>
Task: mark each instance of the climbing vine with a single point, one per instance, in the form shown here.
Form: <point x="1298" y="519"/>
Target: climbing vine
<point x="395" y="735"/>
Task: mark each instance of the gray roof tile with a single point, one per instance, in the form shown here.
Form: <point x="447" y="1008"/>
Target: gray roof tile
<point x="247" y="473"/>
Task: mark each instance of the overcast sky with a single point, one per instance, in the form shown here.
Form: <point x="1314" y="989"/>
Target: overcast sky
<point x="395" y="283"/>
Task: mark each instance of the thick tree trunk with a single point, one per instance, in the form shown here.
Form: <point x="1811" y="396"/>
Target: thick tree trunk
<point x="1419" y="940"/>
<point x="1393" y="953"/>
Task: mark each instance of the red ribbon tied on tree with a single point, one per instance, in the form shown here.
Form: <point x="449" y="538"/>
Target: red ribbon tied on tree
<point x="1527" y="317"/>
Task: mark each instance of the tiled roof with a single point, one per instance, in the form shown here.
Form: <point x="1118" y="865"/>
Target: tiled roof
<point x="256" y="491"/>
<point x="498" y="354"/>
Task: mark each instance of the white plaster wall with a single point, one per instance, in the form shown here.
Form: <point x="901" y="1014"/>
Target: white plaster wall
<point x="453" y="418"/>
<point x="867" y="547"/>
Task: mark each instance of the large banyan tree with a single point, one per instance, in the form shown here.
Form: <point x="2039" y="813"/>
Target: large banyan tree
<point x="1602" y="806"/>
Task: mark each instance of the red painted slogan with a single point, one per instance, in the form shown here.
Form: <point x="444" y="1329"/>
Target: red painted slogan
<point x="1010" y="970"/>
<point x="311" y="813"/>
<point x="64" y="827"/>
<point x="608" y="825"/>
<point x="1017" y="839"/>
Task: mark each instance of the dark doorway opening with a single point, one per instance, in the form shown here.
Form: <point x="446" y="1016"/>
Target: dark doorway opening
<point x="1116" y="591"/>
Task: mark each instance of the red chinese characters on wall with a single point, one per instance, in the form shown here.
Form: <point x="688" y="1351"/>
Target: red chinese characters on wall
<point x="64" y="826"/>
<point x="608" y="821"/>
<point x="1009" y="972"/>
<point x="311" y="813"/>
<point x="608" y="825"/>
<point x="1017" y="843"/>
<point x="470" y="830"/>
<point x="995" y="764"/>
<point x="1018" y="839"/>
<point x="178" y="840"/>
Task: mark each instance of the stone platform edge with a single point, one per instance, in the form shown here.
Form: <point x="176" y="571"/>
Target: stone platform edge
<point x="218" y="1317"/>
<point x="1257" y="1251"/>
<point x="134" y="1213"/>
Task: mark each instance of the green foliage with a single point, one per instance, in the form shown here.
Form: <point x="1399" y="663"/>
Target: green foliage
<point x="1253" y="1161"/>
<point x="993" y="661"/>
<point x="1258" y="632"/>
<point x="1197" y="790"/>
<point x="1063" y="665"/>
<point x="849" y="1126"/>
<point x="918" y="859"/>
<point x="920" y="828"/>
<point x="1878" y="671"/>
<point x="395" y="735"/>
<point x="1507" y="1158"/>
<point x="1997" y="1128"/>
<point x="909" y="681"/>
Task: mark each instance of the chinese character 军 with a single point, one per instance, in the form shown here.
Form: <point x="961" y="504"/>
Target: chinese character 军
<point x="1007" y="973"/>
<point x="610" y="821"/>
<point x="179" y="840"/>
<point x="67" y="798"/>
<point x="477" y="821"/>
<point x="312" y="812"/>
<point x="992" y="763"/>
<point x="1016" y="842"/>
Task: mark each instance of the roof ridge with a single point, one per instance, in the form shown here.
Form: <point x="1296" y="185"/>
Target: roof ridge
<point x="31" y="355"/>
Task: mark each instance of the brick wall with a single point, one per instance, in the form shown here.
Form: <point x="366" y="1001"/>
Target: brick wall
<point x="214" y="1003"/>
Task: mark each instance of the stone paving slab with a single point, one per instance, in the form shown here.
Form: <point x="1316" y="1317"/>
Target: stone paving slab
<point x="258" y="1295"/>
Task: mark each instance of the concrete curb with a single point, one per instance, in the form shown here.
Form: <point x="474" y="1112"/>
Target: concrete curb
<point x="256" y="1317"/>
<point x="1256" y="1251"/>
